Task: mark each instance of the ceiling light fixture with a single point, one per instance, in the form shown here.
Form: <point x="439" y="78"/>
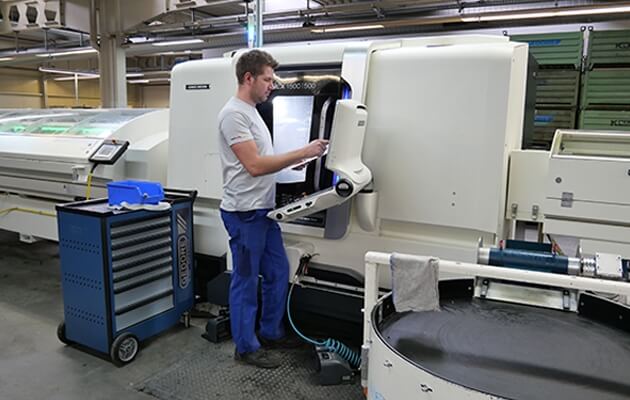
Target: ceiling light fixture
<point x="564" y="12"/>
<point x="79" y="77"/>
<point x="67" y="72"/>
<point x="346" y="28"/>
<point x="68" y="53"/>
<point x="150" y="80"/>
<point x="85" y="75"/>
<point x="6" y="58"/>
<point x="177" y="42"/>
<point x="138" y="39"/>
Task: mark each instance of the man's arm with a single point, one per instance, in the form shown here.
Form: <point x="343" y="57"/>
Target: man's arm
<point x="257" y="165"/>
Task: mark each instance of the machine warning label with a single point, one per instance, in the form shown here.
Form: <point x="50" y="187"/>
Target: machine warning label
<point x="198" y="86"/>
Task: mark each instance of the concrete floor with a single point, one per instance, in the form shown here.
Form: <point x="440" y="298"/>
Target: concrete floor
<point x="35" y="365"/>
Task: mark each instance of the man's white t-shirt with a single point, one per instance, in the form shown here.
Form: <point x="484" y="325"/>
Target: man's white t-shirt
<point x="240" y="122"/>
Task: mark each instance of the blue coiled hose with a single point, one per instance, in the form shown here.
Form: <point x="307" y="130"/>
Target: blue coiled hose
<point x="329" y="344"/>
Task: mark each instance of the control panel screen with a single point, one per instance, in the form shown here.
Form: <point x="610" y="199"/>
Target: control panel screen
<point x="109" y="152"/>
<point x="291" y="131"/>
<point x="300" y="109"/>
<point x="106" y="151"/>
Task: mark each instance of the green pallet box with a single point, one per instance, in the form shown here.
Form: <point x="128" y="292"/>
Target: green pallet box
<point x="557" y="88"/>
<point x="545" y="124"/>
<point x="606" y="87"/>
<point x="555" y="49"/>
<point x="609" y="48"/>
<point x="605" y="120"/>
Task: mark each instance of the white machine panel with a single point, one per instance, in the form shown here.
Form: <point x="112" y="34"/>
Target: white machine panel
<point x="293" y="54"/>
<point x="526" y="196"/>
<point x="440" y="157"/>
<point x="199" y="91"/>
<point x="589" y="177"/>
<point x="54" y="148"/>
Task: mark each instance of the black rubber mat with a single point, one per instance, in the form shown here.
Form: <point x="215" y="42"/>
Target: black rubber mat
<point x="514" y="351"/>
<point x="213" y="374"/>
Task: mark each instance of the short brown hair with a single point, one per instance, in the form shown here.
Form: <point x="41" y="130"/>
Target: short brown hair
<point x="254" y="61"/>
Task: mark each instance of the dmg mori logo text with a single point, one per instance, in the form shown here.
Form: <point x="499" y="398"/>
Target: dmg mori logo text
<point x="620" y="122"/>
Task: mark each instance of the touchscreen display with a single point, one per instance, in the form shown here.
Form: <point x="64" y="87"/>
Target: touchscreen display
<point x="291" y="130"/>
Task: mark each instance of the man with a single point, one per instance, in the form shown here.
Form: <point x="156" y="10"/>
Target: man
<point x="249" y="165"/>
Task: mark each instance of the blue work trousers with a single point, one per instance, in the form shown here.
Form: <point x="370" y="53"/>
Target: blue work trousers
<point x="257" y="249"/>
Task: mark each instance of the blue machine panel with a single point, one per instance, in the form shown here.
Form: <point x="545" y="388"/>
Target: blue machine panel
<point x="85" y="293"/>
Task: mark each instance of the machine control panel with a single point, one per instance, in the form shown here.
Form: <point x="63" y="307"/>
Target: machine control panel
<point x="344" y="159"/>
<point x="109" y="151"/>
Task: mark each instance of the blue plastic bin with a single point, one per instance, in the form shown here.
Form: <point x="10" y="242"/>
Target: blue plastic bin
<point x="134" y="192"/>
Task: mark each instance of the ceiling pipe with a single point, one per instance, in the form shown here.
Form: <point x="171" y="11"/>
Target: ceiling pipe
<point x="260" y="4"/>
<point x="299" y="14"/>
<point x="93" y="25"/>
<point x="391" y="26"/>
<point x="351" y="10"/>
<point x="399" y="25"/>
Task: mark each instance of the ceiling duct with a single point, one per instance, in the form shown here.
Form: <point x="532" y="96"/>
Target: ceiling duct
<point x="27" y="15"/>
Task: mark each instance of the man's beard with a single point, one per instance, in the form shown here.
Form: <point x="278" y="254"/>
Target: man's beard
<point x="262" y="98"/>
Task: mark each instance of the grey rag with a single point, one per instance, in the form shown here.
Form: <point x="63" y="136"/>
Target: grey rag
<point x="415" y="282"/>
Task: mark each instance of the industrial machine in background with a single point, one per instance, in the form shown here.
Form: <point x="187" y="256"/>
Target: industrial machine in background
<point x="55" y="156"/>
<point x="126" y="274"/>
<point x="579" y="188"/>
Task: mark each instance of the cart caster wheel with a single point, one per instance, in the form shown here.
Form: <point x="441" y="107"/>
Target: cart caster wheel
<point x="61" y="333"/>
<point x="124" y="349"/>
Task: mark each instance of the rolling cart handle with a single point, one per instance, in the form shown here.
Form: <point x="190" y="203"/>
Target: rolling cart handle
<point x="192" y="194"/>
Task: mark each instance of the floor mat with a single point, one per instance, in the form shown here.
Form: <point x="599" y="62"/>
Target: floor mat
<point x="213" y="374"/>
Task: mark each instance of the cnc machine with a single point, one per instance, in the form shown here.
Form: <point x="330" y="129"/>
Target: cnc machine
<point x="443" y="115"/>
<point x="54" y="156"/>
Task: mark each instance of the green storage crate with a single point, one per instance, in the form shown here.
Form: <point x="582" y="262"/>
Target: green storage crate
<point x="606" y="87"/>
<point x="604" y="120"/>
<point x="555" y="49"/>
<point x="557" y="87"/>
<point x="609" y="47"/>
<point x="545" y="124"/>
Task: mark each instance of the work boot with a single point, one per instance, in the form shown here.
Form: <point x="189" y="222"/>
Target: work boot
<point x="287" y="342"/>
<point x="259" y="358"/>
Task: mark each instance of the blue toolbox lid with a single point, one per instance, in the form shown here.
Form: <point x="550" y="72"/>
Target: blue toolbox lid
<point x="134" y="192"/>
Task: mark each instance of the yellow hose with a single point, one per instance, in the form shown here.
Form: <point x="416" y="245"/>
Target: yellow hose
<point x="89" y="187"/>
<point x="48" y="214"/>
